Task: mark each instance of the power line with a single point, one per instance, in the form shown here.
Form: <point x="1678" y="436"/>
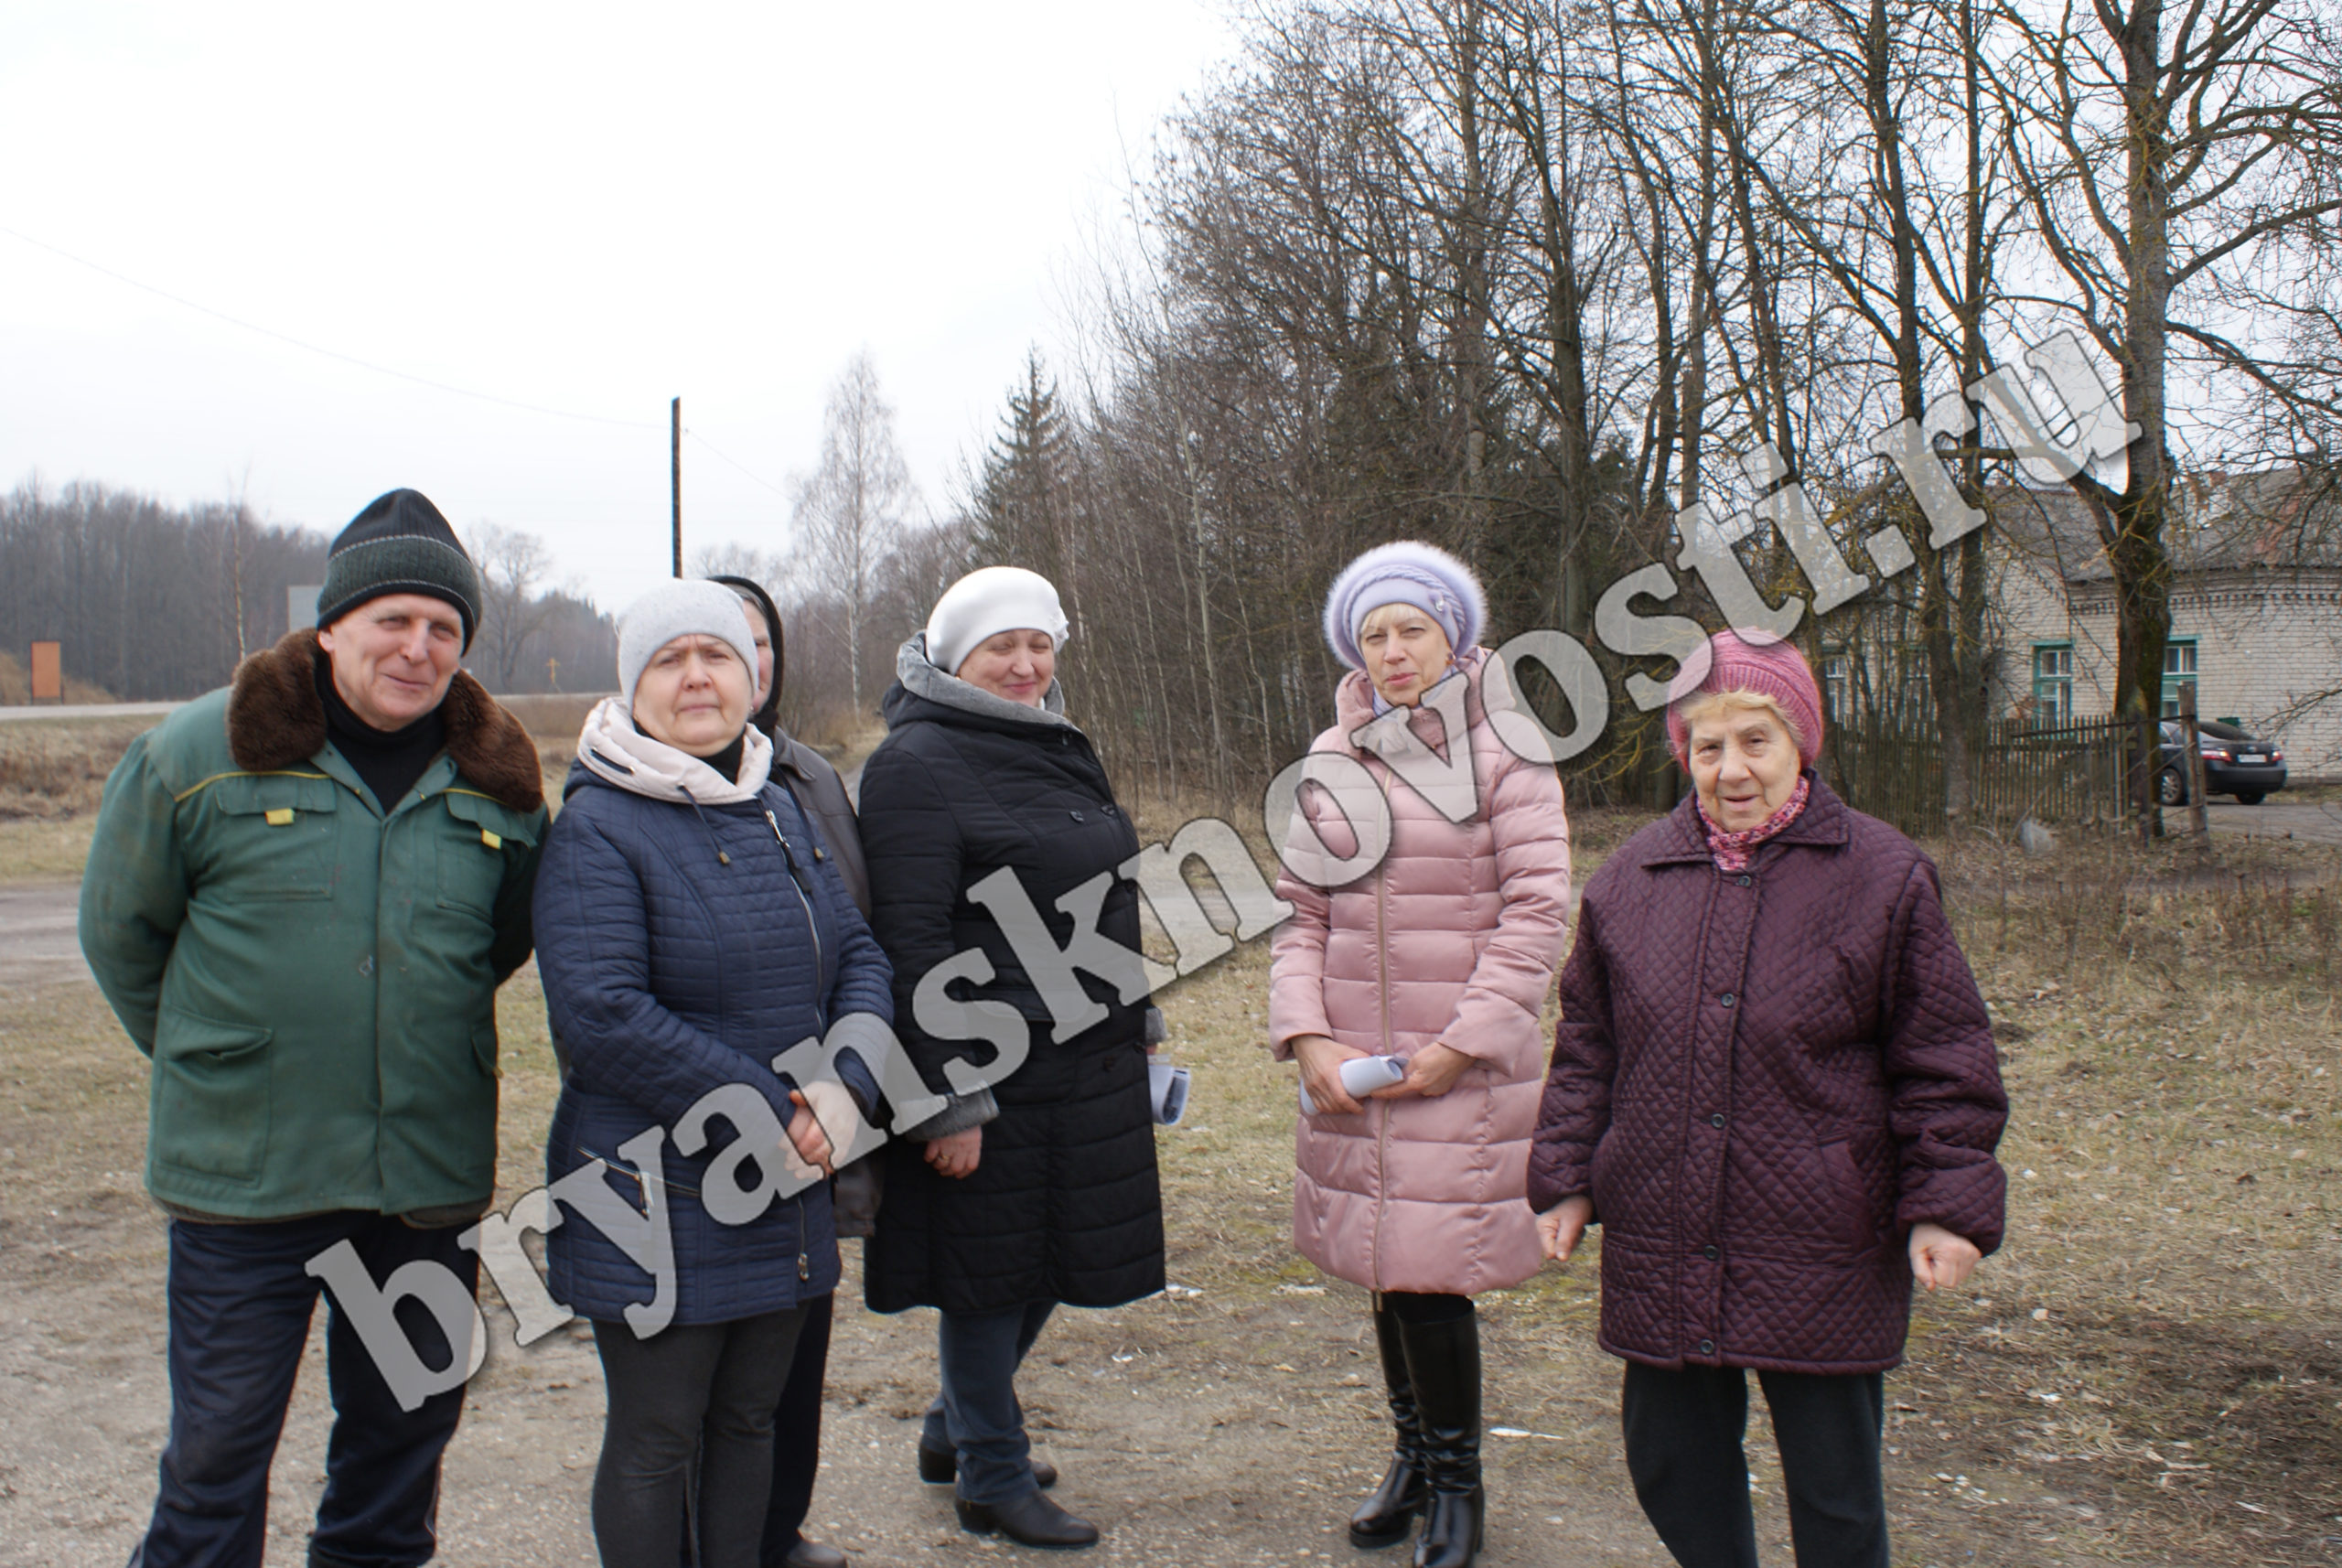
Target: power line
<point x="330" y="353"/>
<point x="742" y="467"/>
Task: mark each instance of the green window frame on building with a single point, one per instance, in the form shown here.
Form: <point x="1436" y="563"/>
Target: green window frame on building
<point x="2178" y="672"/>
<point x="1836" y="692"/>
<point x="2053" y="685"/>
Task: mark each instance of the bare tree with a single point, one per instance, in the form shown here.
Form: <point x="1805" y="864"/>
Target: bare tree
<point x="515" y="604"/>
<point x="851" y="509"/>
<point x="2183" y="167"/>
<point x="733" y="559"/>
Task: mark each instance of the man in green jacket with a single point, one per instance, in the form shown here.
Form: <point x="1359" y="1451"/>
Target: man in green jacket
<point x="301" y="897"/>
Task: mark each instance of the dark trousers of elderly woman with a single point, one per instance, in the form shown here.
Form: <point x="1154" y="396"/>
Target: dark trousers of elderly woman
<point x="1684" y="1431"/>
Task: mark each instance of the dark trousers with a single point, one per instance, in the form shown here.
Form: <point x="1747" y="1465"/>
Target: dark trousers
<point x="977" y="1414"/>
<point x="706" y="1389"/>
<point x="797" y="1435"/>
<point x="240" y="1305"/>
<point x="1684" y="1449"/>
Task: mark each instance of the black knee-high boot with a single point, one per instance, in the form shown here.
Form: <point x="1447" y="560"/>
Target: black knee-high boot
<point x="1444" y="1367"/>
<point x="1384" y="1518"/>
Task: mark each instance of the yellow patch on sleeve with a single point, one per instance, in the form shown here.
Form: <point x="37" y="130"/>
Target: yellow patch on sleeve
<point x="493" y="841"/>
<point x="280" y="816"/>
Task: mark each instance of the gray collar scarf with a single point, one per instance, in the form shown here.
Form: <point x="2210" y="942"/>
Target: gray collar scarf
<point x="921" y="677"/>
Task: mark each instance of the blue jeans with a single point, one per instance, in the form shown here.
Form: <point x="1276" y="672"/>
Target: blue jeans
<point x="977" y="1413"/>
<point x="240" y="1306"/>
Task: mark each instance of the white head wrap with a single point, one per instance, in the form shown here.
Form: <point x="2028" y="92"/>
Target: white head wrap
<point x="986" y="603"/>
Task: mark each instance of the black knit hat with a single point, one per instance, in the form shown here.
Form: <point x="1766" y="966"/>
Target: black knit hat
<point x="398" y="544"/>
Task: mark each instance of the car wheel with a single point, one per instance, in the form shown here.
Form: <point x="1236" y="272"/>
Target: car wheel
<point x="2250" y="797"/>
<point x="2170" y="788"/>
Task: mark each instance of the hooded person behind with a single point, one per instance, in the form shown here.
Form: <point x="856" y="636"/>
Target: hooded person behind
<point x="687" y="935"/>
<point x="302" y="893"/>
<point x="1040" y="1188"/>
<point x="808" y="776"/>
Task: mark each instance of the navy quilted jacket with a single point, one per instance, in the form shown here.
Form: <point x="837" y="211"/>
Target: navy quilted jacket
<point x="667" y="973"/>
<point x="1064" y="1204"/>
<point x="1765" y="1080"/>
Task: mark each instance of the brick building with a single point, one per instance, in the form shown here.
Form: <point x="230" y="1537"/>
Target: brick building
<point x="2256" y="611"/>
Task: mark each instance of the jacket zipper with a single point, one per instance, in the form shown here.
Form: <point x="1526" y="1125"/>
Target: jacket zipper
<point x="810" y="924"/>
<point x="1381" y="1107"/>
<point x="804" y="1261"/>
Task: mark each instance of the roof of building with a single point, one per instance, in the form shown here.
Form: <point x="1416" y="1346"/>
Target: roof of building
<point x="2268" y="521"/>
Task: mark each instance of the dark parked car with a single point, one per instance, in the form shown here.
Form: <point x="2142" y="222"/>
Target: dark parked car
<point x="2234" y="763"/>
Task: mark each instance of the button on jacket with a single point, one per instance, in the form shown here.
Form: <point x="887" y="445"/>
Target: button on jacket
<point x="314" y="977"/>
<point x="1764" y="1081"/>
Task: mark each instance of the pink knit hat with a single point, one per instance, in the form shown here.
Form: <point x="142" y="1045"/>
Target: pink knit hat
<point x="1750" y="661"/>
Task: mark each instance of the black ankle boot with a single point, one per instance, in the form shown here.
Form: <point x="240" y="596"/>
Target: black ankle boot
<point x="1029" y="1520"/>
<point x="1389" y="1512"/>
<point x="1444" y="1367"/>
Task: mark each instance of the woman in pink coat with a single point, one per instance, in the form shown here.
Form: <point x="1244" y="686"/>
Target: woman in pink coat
<point x="1440" y="955"/>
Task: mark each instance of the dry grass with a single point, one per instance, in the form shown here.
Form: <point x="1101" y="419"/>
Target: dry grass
<point x="2157" y="1341"/>
<point x="2148" y="1371"/>
<point x="52" y="769"/>
<point x="16" y="685"/>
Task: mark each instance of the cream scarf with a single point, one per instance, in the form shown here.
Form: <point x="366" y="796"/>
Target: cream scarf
<point x="613" y="749"/>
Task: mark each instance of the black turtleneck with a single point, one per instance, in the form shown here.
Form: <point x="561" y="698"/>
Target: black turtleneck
<point x="389" y="761"/>
<point x="728" y="761"/>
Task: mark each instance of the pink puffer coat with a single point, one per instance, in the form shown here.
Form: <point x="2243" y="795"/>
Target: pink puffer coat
<point x="1453" y="938"/>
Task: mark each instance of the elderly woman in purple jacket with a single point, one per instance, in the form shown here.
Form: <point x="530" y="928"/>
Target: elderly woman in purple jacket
<point x="1775" y="1089"/>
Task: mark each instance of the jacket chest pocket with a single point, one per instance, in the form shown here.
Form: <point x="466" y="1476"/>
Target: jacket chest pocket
<point x="280" y="839"/>
<point x="474" y="846"/>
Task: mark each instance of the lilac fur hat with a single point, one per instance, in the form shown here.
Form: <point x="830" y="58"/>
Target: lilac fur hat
<point x="1406" y="573"/>
<point x="1755" y="661"/>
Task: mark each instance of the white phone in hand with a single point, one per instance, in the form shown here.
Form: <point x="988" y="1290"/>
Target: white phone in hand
<point x="1361" y="1076"/>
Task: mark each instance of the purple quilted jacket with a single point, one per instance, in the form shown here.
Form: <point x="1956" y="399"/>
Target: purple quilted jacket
<point x="1764" y="1080"/>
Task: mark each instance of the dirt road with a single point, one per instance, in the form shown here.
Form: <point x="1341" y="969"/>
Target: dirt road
<point x="38" y="940"/>
<point x="2304" y="820"/>
<point x="1233" y="1422"/>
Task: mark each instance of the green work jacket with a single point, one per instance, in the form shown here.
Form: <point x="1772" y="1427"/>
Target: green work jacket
<point x="314" y="978"/>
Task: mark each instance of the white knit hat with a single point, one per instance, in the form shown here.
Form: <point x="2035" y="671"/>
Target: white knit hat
<point x="986" y="603"/>
<point x="684" y="607"/>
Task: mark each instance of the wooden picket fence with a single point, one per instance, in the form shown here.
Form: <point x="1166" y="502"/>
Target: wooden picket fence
<point x="2069" y="775"/>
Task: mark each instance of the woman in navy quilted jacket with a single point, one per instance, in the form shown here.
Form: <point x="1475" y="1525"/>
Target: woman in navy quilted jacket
<point x="992" y="834"/>
<point x="1774" y="1087"/>
<point x="687" y="935"/>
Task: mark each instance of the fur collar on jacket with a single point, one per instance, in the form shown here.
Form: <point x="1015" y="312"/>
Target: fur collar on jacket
<point x="275" y="718"/>
<point x="922" y="677"/>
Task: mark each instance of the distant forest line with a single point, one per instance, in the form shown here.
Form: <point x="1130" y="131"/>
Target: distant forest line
<point x="153" y="602"/>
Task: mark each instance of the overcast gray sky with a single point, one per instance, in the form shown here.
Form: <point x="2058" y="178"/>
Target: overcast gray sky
<point x="588" y="207"/>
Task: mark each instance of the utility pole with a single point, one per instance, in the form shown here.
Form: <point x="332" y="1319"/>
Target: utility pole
<point x="675" y="473"/>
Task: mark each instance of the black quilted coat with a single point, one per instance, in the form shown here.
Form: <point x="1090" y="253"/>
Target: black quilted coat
<point x="1765" y="1080"/>
<point x="1064" y="1204"/>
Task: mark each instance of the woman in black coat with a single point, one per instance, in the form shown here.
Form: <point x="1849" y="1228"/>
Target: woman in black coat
<point x="1036" y="1184"/>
